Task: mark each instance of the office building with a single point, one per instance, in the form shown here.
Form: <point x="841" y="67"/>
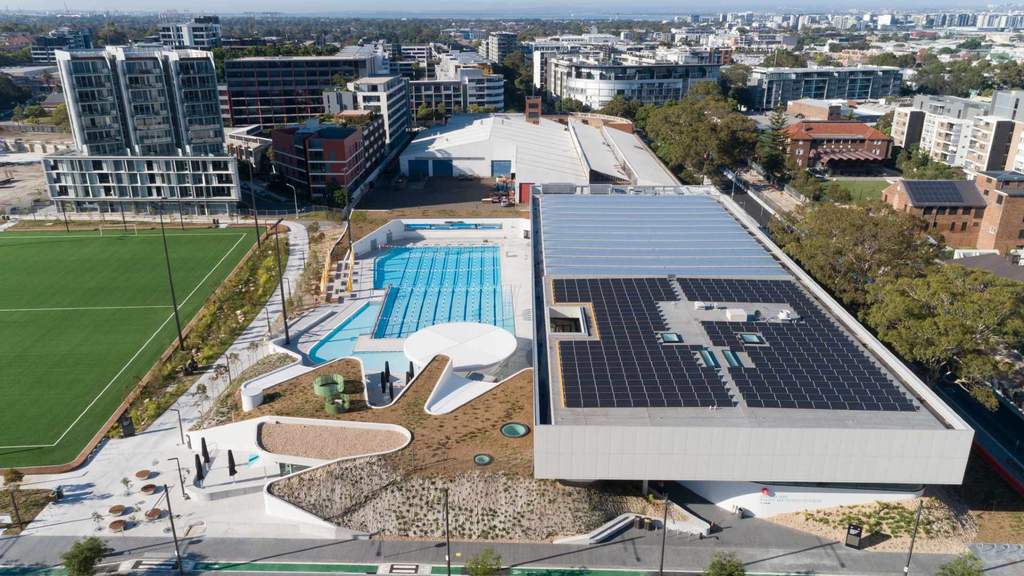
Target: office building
<point x="650" y="77"/>
<point x="321" y="157"/>
<point x="498" y="46"/>
<point x="202" y="33"/>
<point x="63" y="38"/>
<point x="773" y="87"/>
<point x="278" y="90"/>
<point x="147" y="128"/>
<point x="386" y="96"/>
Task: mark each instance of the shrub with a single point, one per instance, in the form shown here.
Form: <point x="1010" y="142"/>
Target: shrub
<point x="964" y="565"/>
<point x="725" y="564"/>
<point x="83" y="556"/>
<point x="486" y="563"/>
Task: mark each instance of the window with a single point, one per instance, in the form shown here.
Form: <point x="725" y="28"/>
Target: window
<point x="952" y="226"/>
<point x="999" y="199"/>
<point x="963" y="226"/>
<point x="1020" y="235"/>
<point x="966" y="211"/>
<point x="940" y="211"/>
<point x="927" y="211"/>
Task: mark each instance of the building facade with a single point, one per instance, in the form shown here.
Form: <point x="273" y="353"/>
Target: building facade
<point x="437" y="94"/>
<point x="774" y="87"/>
<point x="498" y="46"/>
<point x="385" y="96"/>
<point x="64" y="38"/>
<point x="273" y="91"/>
<point x="837" y="146"/>
<point x="147" y="127"/>
<point x="481" y="89"/>
<point x="320" y="157"/>
<point x="202" y="33"/>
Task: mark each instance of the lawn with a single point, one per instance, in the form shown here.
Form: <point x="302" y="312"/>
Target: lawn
<point x="83" y="318"/>
<point x="864" y="190"/>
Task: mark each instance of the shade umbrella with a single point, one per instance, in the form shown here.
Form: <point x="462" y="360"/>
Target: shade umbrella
<point x="391" y="390"/>
<point x="412" y="371"/>
<point x="383" y="384"/>
<point x="387" y="371"/>
<point x="206" y="453"/>
<point x="231" y="464"/>
<point x="199" y="470"/>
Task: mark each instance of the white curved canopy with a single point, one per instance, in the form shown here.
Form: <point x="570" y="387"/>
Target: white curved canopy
<point x="470" y="345"/>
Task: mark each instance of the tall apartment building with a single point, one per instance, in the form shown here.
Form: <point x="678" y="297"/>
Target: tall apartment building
<point x="273" y="91"/>
<point x="774" y="87"/>
<point x="449" y="94"/>
<point x="147" y="128"/>
<point x="988" y="147"/>
<point x="652" y="77"/>
<point x="386" y="96"/>
<point x="202" y="32"/>
<point x="498" y="46"/>
<point x="481" y="88"/>
<point x="63" y="38"/>
<point x="318" y="157"/>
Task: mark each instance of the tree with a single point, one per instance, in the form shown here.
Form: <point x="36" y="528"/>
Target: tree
<point x="734" y="78"/>
<point x="340" y="196"/>
<point x="884" y="123"/>
<point x="424" y="113"/>
<point x="963" y="565"/>
<point x="570" y="105"/>
<point x="915" y="164"/>
<point x="486" y="563"/>
<point x="849" y="248"/>
<point x="953" y="320"/>
<point x="771" y="145"/>
<point x="725" y="564"/>
<point x="702" y="132"/>
<point x="60" y="116"/>
<point x="340" y="82"/>
<point x="784" y="59"/>
<point x="621" y="107"/>
<point x="83" y="556"/>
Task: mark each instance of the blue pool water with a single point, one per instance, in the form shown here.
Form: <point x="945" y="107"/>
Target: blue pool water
<point x="436" y="284"/>
<point x="342" y="341"/>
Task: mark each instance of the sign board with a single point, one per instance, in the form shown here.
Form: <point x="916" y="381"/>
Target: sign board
<point x="127" y="425"/>
<point x="853" y="536"/>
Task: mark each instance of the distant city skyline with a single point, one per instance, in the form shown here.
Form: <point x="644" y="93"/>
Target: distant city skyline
<point x="496" y="9"/>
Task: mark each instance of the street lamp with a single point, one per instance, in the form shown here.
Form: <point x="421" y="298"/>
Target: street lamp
<point x="255" y="212"/>
<point x="170" y="280"/>
<point x="280" y="284"/>
<point x="181" y="477"/>
<point x="174" y="532"/>
<point x="181" y="430"/>
<point x="295" y="197"/>
<point x="447" y="536"/>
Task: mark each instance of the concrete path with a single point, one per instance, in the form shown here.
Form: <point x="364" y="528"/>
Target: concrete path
<point x="97" y="485"/>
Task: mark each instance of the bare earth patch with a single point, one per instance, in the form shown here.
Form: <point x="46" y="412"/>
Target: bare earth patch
<point x="326" y="442"/>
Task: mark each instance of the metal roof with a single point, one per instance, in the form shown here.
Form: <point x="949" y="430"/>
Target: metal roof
<point x="627" y="235"/>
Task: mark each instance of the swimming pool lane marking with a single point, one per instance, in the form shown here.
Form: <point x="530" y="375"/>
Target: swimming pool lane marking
<point x="137" y="353"/>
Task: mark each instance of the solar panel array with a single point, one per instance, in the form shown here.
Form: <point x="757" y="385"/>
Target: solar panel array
<point x="811" y="363"/>
<point x="628" y="366"/>
<point x="943" y="192"/>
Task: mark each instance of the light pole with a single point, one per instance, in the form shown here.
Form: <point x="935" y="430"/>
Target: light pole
<point x="174" y="533"/>
<point x="255" y="212"/>
<point x="181" y="477"/>
<point x="280" y="284"/>
<point x="295" y="197"/>
<point x="64" y="212"/>
<point x="664" y="535"/>
<point x="913" y="536"/>
<point x="447" y="536"/>
<point x="181" y="430"/>
<point x="170" y="280"/>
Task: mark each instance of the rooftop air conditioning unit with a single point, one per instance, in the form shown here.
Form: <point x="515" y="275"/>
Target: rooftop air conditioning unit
<point x="702" y="305"/>
<point x="788" y="315"/>
<point x="736" y="315"/>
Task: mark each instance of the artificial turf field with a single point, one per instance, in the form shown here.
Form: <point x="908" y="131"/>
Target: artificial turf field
<point x="83" y="317"/>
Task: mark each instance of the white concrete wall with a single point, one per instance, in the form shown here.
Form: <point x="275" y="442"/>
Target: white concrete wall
<point x="783" y="499"/>
<point x="885" y="456"/>
<point x="510" y="228"/>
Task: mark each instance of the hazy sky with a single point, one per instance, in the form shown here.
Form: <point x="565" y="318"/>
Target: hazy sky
<point x="562" y="8"/>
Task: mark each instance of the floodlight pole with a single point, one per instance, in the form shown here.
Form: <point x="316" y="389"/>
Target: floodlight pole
<point x="664" y="535"/>
<point x="255" y="212"/>
<point x="295" y="197"/>
<point x="280" y="284"/>
<point x="913" y="536"/>
<point x="64" y="213"/>
<point x="447" y="536"/>
<point x="174" y="533"/>
<point x="170" y="280"/>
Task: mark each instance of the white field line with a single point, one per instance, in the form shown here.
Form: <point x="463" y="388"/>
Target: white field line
<point x="74" y="308"/>
<point x="137" y="353"/>
<point x="142" y="234"/>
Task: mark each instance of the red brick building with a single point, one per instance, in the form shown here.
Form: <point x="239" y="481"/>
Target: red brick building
<point x="986" y="213"/>
<point x="318" y="157"/>
<point x="837" y="146"/>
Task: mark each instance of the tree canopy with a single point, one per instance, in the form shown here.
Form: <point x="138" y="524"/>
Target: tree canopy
<point x="915" y="164"/>
<point x="963" y="565"/>
<point x="850" y="248"/>
<point x="725" y="564"/>
<point x="622" y="107"/>
<point x="952" y="320"/>
<point x="486" y="563"/>
<point x="784" y="59"/>
<point x="771" y="145"/>
<point x="83" y="556"/>
<point x="702" y="132"/>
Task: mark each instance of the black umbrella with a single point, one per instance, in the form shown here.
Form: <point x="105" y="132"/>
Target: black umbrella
<point x="206" y="453"/>
<point x="231" y="464"/>
<point x="199" y="470"/>
<point x="391" y="390"/>
<point x="387" y="371"/>
<point x="383" y="384"/>
<point x="412" y="371"/>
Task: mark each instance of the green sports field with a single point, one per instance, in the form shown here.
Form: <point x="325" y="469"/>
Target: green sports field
<point x="83" y="317"/>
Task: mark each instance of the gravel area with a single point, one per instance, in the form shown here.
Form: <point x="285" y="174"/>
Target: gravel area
<point x="326" y="442"/>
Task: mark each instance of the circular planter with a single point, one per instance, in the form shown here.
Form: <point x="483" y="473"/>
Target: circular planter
<point x="149" y="489"/>
<point x="483" y="459"/>
<point x="118" y="526"/>
<point x="143" y="474"/>
<point x="514" y="430"/>
<point x="116" y="510"/>
<point x="154" y="514"/>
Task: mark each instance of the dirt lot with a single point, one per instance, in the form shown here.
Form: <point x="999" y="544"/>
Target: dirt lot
<point x="326" y="442"/>
<point x="28" y="185"/>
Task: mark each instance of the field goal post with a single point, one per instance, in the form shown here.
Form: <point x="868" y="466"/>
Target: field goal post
<point x="119" y="230"/>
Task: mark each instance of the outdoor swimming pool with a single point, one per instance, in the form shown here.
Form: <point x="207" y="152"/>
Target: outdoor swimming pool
<point x="342" y="341"/>
<point x="437" y="284"/>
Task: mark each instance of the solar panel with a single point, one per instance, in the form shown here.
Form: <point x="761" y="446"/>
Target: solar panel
<point x="811" y="363"/>
<point x="935" y="192"/>
<point x="629" y="366"/>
